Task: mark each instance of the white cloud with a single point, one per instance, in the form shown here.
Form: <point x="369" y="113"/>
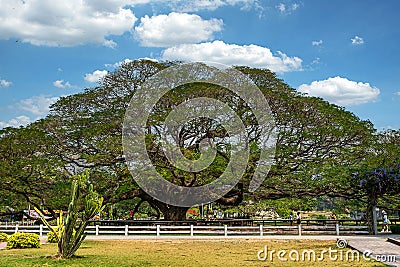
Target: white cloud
<point x="16" y="122"/>
<point x="77" y="22"/>
<point x="5" y="83"/>
<point x="357" y="40"/>
<point x="61" y="84"/>
<point x="118" y="64"/>
<point x="397" y="93"/>
<point x="110" y="44"/>
<point x="281" y="7"/>
<point x="317" y="43"/>
<point x="65" y="23"/>
<point x="341" y="91"/>
<point x="197" y="5"/>
<point x="295" y="6"/>
<point x="287" y="9"/>
<point x="96" y="76"/>
<point x="37" y="105"/>
<point x="175" y="28"/>
<point x="232" y="54"/>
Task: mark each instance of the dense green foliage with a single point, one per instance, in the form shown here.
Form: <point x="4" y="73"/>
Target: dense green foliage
<point x="3" y="237"/>
<point x="395" y="228"/>
<point x="29" y="170"/>
<point x="23" y="240"/>
<point x="52" y="236"/>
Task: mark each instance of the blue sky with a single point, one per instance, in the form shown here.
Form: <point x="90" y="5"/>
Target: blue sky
<point x="346" y="52"/>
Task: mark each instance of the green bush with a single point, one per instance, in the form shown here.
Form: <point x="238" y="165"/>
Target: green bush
<point x="3" y="237"/>
<point x="51" y="237"/>
<point x="23" y="240"/>
<point x="395" y="228"/>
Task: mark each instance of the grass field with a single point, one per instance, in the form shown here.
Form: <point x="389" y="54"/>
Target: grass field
<point x="178" y="253"/>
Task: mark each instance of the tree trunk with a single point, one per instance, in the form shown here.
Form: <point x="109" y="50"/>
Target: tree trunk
<point x="371" y="214"/>
<point x="172" y="213"/>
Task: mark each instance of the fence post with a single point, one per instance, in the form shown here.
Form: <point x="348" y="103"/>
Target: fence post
<point x="126" y="230"/>
<point x="191" y="230"/>
<point x="299" y="226"/>
<point x="337" y="229"/>
<point x="41" y="230"/>
<point x="97" y="229"/>
<point x="16" y="228"/>
<point x="226" y="230"/>
<point x="158" y="230"/>
<point x="261" y="230"/>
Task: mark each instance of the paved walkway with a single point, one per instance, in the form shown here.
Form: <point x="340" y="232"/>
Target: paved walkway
<point x="378" y="248"/>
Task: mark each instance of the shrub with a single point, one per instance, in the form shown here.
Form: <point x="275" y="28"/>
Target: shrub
<point x="3" y="237"/>
<point x="51" y="237"/>
<point x="395" y="228"/>
<point x="23" y="240"/>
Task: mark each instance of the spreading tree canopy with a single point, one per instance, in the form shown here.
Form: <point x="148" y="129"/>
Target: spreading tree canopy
<point x="316" y="141"/>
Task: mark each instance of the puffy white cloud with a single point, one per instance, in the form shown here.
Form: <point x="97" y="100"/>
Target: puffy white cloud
<point x="175" y="28"/>
<point x="16" y="122"/>
<point x="5" y="83"/>
<point x="341" y="91"/>
<point x="62" y="84"/>
<point x="65" y="23"/>
<point x="317" y="43"/>
<point x="232" y="54"/>
<point x="357" y="40"/>
<point x="37" y="105"/>
<point x="77" y="22"/>
<point x="96" y="76"/>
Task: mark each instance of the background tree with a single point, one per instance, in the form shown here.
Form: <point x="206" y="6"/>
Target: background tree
<point x="376" y="181"/>
<point x="29" y="172"/>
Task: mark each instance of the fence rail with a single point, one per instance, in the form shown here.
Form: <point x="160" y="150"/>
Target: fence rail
<point x="200" y="230"/>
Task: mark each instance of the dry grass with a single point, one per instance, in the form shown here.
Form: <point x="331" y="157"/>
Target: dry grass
<point x="238" y="252"/>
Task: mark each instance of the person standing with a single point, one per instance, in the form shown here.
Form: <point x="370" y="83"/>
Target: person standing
<point x="298" y="218"/>
<point x="385" y="223"/>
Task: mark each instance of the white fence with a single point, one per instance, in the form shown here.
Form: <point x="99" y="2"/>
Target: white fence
<point x="194" y="230"/>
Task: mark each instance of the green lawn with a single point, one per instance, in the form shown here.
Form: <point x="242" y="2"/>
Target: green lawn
<point x="237" y="252"/>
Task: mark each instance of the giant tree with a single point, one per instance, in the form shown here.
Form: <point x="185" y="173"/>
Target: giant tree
<point x="316" y="140"/>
